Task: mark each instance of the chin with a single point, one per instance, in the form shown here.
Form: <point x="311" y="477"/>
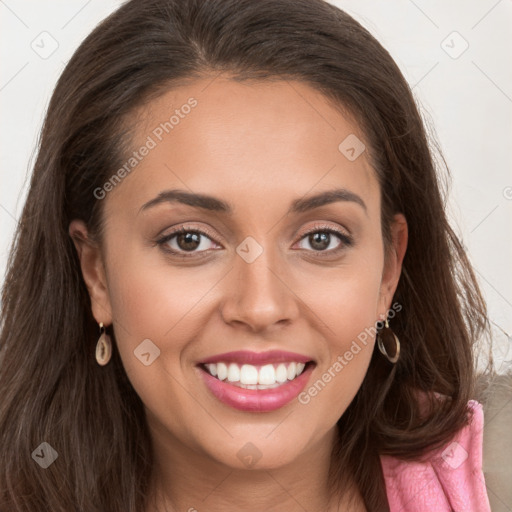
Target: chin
<point x="258" y="453"/>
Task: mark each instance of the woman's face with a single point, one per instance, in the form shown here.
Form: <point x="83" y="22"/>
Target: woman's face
<point x="280" y="273"/>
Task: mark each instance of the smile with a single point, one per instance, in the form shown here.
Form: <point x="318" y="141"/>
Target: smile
<point x="256" y="382"/>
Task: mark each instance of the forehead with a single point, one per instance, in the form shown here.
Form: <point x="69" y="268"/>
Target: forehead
<point x="217" y="135"/>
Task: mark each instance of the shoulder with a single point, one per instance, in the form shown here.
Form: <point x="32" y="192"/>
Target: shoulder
<point x="451" y="478"/>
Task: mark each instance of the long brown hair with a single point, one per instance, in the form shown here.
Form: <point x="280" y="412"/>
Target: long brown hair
<point x="52" y="389"/>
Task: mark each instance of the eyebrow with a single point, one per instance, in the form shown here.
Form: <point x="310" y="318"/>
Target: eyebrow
<point x="214" y="204"/>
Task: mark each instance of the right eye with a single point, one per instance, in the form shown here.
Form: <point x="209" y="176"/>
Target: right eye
<point x="184" y="240"/>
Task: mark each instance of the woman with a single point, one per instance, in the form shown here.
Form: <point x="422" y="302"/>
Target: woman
<point x="234" y="286"/>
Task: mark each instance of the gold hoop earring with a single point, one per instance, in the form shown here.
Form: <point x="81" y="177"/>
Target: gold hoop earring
<point x="386" y="338"/>
<point x="103" y="347"/>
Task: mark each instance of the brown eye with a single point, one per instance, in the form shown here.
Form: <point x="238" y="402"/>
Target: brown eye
<point x="320" y="241"/>
<point x="325" y="240"/>
<point x="183" y="241"/>
<point x="188" y="241"/>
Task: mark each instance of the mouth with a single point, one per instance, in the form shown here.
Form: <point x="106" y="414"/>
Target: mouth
<point x="256" y="382"/>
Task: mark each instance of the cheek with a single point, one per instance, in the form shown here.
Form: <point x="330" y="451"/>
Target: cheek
<point x="349" y="333"/>
<point x="344" y="298"/>
<point x="154" y="306"/>
<point x="346" y="305"/>
<point x="153" y="298"/>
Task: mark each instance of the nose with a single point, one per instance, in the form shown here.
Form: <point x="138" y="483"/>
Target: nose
<point x="258" y="296"/>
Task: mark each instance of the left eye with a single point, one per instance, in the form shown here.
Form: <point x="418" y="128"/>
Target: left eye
<point x="324" y="240"/>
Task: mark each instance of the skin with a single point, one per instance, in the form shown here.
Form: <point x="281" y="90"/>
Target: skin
<point x="258" y="146"/>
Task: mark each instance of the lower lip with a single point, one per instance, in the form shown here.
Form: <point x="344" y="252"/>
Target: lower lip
<point x="256" y="400"/>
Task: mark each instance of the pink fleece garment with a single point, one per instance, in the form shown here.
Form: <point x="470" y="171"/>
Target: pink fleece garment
<point x="451" y="480"/>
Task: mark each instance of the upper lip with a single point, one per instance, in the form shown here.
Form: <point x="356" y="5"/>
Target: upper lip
<point x="257" y="358"/>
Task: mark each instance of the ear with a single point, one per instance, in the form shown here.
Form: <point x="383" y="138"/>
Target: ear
<point x="93" y="271"/>
<point x="393" y="263"/>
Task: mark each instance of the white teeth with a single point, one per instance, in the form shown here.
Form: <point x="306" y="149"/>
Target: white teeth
<point x="292" y="371"/>
<point x="248" y="374"/>
<point x="252" y="377"/>
<point x="281" y="373"/>
<point x="212" y="368"/>
<point x="222" y="371"/>
<point x="267" y="375"/>
<point x="233" y="373"/>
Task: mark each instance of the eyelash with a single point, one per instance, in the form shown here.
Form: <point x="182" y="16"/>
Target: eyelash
<point x="346" y="240"/>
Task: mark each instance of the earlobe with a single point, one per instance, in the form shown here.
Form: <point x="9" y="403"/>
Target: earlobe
<point x="93" y="271"/>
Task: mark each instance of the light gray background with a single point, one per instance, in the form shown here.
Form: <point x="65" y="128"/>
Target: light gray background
<point x="465" y="93"/>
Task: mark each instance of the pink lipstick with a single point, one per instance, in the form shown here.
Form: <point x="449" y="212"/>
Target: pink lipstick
<point x="256" y="381"/>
